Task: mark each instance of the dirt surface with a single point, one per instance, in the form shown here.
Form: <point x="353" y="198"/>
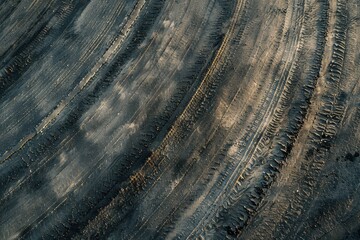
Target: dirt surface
<point x="156" y="119"/>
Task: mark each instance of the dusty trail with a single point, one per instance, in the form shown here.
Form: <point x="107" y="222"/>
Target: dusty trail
<point x="156" y="119"/>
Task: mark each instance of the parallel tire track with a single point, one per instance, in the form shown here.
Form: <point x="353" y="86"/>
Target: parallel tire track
<point x="156" y="119"/>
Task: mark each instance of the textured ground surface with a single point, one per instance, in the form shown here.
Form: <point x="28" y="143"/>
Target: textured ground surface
<point x="179" y="119"/>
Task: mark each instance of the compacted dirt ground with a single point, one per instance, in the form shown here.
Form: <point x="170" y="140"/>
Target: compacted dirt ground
<point x="180" y="119"/>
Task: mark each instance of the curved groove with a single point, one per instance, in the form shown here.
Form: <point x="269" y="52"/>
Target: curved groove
<point x="156" y="119"/>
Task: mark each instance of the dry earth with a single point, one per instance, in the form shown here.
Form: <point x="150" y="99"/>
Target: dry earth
<point x="179" y="119"/>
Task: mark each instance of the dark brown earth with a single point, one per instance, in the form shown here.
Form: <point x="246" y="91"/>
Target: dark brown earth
<point x="156" y="119"/>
